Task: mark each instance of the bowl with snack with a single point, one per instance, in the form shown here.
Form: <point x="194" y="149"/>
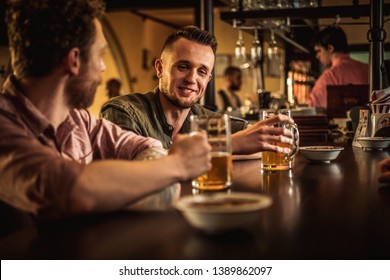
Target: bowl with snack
<point x="222" y="211"/>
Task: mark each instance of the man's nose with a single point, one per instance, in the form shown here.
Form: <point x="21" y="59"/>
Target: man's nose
<point x="191" y="76"/>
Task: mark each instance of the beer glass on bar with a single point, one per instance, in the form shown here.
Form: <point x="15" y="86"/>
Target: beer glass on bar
<point x="272" y="161"/>
<point x="218" y="133"/>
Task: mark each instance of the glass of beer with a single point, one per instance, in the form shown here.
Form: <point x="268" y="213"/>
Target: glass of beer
<point x="273" y="161"/>
<point x="218" y="133"/>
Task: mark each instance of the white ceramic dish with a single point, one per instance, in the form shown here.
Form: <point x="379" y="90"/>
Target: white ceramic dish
<point x="374" y="143"/>
<point x="320" y="153"/>
<point x="222" y="211"/>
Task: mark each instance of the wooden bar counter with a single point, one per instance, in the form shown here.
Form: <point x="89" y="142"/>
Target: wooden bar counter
<point x="334" y="210"/>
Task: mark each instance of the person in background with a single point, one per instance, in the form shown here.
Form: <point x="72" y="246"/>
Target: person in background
<point x="331" y="49"/>
<point x="227" y="98"/>
<point x="56" y="159"/>
<point x="113" y="88"/>
<point x="384" y="170"/>
<point x="184" y="70"/>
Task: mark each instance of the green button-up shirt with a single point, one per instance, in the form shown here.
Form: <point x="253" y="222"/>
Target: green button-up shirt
<point x="143" y="114"/>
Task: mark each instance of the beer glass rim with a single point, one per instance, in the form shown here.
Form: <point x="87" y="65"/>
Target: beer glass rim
<point x="204" y="116"/>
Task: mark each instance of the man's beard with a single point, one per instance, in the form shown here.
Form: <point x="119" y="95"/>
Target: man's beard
<point x="234" y="88"/>
<point x="175" y="102"/>
<point x="81" y="95"/>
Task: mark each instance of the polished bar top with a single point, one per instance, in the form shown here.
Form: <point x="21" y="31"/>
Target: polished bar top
<point x="334" y="210"/>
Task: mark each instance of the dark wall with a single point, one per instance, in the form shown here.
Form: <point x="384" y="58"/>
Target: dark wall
<point x="3" y="32"/>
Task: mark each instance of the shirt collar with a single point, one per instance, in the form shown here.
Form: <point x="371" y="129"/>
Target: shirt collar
<point x="160" y="112"/>
<point x="185" y="128"/>
<point x="340" y="58"/>
<point x="37" y="122"/>
<point x="32" y="117"/>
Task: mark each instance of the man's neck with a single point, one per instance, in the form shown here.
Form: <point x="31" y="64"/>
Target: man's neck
<point x="47" y="95"/>
<point x="230" y="91"/>
<point x="337" y="56"/>
<point x="174" y="115"/>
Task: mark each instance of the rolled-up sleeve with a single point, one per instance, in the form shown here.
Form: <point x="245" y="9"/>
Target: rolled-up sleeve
<point x="111" y="141"/>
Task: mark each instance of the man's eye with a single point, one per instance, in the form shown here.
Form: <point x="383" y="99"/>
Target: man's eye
<point x="182" y="67"/>
<point x="203" y="72"/>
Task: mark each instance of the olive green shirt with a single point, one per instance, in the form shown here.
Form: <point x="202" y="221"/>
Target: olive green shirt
<point x="143" y="114"/>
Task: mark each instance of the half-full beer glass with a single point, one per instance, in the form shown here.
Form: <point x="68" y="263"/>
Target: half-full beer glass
<point x="218" y="133"/>
<point x="278" y="161"/>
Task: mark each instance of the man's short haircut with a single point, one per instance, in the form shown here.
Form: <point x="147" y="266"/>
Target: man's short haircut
<point x="194" y="34"/>
<point x="42" y="32"/>
<point x="230" y="70"/>
<point x="332" y="35"/>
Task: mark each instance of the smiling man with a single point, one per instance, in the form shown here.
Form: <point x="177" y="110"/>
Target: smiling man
<point x="184" y="69"/>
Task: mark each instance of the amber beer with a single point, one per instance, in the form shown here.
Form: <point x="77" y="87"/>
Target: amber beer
<point x="219" y="177"/>
<point x="218" y="133"/>
<point x="280" y="161"/>
<point x="276" y="161"/>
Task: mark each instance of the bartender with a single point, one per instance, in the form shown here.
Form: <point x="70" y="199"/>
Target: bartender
<point x="227" y="98"/>
<point x="331" y="47"/>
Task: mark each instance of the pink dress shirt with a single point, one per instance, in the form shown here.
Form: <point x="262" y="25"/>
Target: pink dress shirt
<point x="343" y="71"/>
<point x="39" y="166"/>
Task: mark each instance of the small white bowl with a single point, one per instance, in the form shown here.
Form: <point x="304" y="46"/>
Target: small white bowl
<point x="374" y="143"/>
<point x="222" y="211"/>
<point x="320" y="153"/>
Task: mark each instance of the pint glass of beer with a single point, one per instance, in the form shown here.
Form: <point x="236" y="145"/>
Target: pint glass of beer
<point x="272" y="161"/>
<point x="218" y="133"/>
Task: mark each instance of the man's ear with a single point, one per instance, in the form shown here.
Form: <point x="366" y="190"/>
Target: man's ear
<point x="211" y="74"/>
<point x="72" y="61"/>
<point x="330" y="48"/>
<point x="159" y="67"/>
